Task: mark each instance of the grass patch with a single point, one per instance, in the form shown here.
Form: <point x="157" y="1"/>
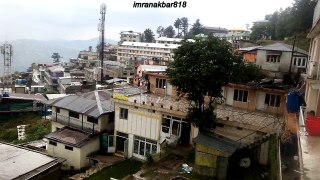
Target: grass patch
<point x="117" y="171"/>
<point x="37" y="128"/>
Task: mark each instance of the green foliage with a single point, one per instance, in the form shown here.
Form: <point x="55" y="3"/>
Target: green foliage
<point x="117" y="171"/>
<point x="273" y="157"/>
<point x="169" y="32"/>
<point x="148" y="35"/>
<point x="246" y="72"/>
<point x="9" y="135"/>
<point x="56" y="57"/>
<point x="149" y="159"/>
<point x="177" y="24"/>
<point x="160" y="31"/>
<point x="36" y="129"/>
<point x="184" y="26"/>
<point x="287" y="22"/>
<point x="201" y="68"/>
<point x="197" y="28"/>
<point x="205" y="119"/>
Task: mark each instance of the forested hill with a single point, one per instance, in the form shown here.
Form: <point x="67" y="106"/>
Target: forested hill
<point x="295" y="20"/>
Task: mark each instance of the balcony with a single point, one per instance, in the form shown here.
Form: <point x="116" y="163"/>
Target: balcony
<point x="313" y="70"/>
<point x="75" y="123"/>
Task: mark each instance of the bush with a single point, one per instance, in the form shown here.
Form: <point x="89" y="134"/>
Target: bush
<point x="9" y="135"/>
<point x="149" y="159"/>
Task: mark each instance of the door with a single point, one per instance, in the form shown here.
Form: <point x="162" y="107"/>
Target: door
<point x="230" y="93"/>
<point x="125" y="153"/>
<point x="111" y="147"/>
<point x="260" y="100"/>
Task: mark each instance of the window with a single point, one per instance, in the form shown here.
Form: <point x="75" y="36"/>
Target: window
<point x="273" y="58"/>
<point x="123" y="113"/>
<point x="272" y="100"/>
<point x="143" y="146"/>
<point x="160" y="83"/>
<point x="69" y="148"/>
<point x="57" y="110"/>
<point x="240" y="95"/>
<point x="299" y="62"/>
<point x="92" y="119"/>
<point x="52" y="143"/>
<point x="74" y="114"/>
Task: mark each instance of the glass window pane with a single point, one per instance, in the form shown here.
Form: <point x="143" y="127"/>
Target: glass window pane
<point x="278" y="101"/>
<point x="136" y="146"/>
<point x="141" y="148"/>
<point x="272" y="100"/>
<point x="235" y="95"/>
<point x="245" y="96"/>
<point x="240" y="95"/>
<point x="154" y="149"/>
<point x="148" y="148"/>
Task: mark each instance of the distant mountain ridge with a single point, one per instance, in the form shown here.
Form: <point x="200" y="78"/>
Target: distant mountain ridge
<point x="27" y="51"/>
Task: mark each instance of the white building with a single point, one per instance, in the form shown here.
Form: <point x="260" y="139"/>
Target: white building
<point x="130" y="36"/>
<point x="165" y="40"/>
<point x="129" y="52"/>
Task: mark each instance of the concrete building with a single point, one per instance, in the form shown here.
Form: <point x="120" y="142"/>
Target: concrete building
<point x="22" y="163"/>
<point x="276" y="58"/>
<point x="309" y="158"/>
<point x="51" y="76"/>
<point x="77" y="122"/>
<point x="130" y="36"/>
<point x="214" y="30"/>
<point x="72" y="145"/>
<point x="165" y="40"/>
<point x="144" y="124"/>
<point x="130" y="53"/>
<point x="141" y="71"/>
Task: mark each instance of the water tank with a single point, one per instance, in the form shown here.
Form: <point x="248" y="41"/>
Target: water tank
<point x="313" y="126"/>
<point x="293" y="102"/>
<point x="104" y="143"/>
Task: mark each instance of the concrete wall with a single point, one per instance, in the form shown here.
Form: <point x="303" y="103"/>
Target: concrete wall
<point x="92" y="146"/>
<point x="256" y="98"/>
<point x="72" y="157"/>
<point x="282" y="66"/>
<point x="140" y="122"/>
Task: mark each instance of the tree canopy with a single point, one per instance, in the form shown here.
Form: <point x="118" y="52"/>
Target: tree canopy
<point x="200" y="69"/>
<point x="56" y="57"/>
<point x="286" y="22"/>
<point x="197" y="28"/>
<point x="148" y="35"/>
<point x="169" y="32"/>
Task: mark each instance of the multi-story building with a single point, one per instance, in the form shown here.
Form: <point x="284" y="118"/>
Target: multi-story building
<point x="131" y="52"/>
<point x="309" y="127"/>
<point x="130" y="36"/>
<point x="77" y="122"/>
<point x="51" y="76"/>
<point x="214" y="30"/>
<point x="276" y="58"/>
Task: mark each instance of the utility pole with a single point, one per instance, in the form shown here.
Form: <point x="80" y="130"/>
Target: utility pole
<point x="101" y="29"/>
<point x="294" y="43"/>
<point x="6" y="50"/>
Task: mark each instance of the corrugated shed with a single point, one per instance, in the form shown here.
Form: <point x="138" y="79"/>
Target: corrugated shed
<point x="220" y="143"/>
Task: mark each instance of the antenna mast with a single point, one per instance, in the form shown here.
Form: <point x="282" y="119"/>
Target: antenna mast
<point x="101" y="29"/>
<point x="7" y="50"/>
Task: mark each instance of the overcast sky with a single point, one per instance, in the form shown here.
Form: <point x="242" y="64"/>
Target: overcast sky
<point x="78" y="19"/>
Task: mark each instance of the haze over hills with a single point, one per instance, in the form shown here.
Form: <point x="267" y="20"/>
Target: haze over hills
<point x="27" y="51"/>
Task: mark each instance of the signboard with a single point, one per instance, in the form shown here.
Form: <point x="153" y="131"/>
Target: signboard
<point x="120" y="96"/>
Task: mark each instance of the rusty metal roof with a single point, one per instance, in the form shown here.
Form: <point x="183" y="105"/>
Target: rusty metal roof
<point x="69" y="137"/>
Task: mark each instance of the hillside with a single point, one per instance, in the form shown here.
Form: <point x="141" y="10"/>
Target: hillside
<point x="27" y="51"/>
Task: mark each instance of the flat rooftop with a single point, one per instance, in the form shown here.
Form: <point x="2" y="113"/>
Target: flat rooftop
<point x="16" y="162"/>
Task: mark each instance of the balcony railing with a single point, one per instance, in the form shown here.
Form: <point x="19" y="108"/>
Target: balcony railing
<point x="302" y="119"/>
<point x="75" y="123"/>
